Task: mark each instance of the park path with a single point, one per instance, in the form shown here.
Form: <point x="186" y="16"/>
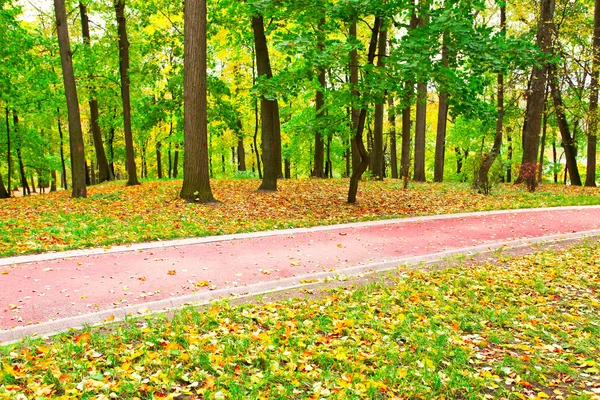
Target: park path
<point x="49" y="292"/>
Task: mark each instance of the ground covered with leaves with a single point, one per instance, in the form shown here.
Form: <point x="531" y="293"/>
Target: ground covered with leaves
<point x="115" y="214"/>
<point x="522" y="328"/>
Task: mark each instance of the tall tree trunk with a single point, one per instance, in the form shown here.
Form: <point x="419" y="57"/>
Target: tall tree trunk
<point x="364" y="156"/>
<point x="159" y="170"/>
<point x="75" y="132"/>
<point x="132" y="178"/>
<point x="420" y="127"/>
<point x="544" y="136"/>
<point x="535" y="99"/>
<point x="393" y="140"/>
<point x="319" y="158"/>
<point x="563" y="126"/>
<point x="555" y="160"/>
<point x="271" y="134"/>
<point x="482" y="182"/>
<point x="378" y="158"/>
<point x="440" y="139"/>
<point x="590" y="178"/>
<point x="509" y="156"/>
<point x="104" y="173"/>
<point x="8" y="151"/>
<point x="356" y="157"/>
<point x="406" y="142"/>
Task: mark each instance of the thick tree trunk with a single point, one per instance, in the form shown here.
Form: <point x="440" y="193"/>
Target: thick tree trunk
<point x="563" y="125"/>
<point x="393" y="139"/>
<point x="319" y="158"/>
<point x="75" y="132"/>
<point x="535" y="99"/>
<point x="420" y="127"/>
<point x="592" y="150"/>
<point x="104" y="173"/>
<point x="440" y="140"/>
<point x="132" y="178"/>
<point x="378" y="159"/>
<point x="482" y="182"/>
<point x="544" y="136"/>
<point x="364" y="156"/>
<point x="271" y="134"/>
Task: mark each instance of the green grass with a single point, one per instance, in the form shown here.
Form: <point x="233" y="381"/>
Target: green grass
<point x="525" y="327"/>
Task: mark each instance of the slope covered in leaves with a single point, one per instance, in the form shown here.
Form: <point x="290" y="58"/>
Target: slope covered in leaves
<point x="115" y="214"/>
<point x="526" y="327"/>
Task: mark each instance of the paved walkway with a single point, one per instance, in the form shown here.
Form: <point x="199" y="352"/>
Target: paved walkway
<point x="50" y="292"/>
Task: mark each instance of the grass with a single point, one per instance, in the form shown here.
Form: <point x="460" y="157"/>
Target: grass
<point x="114" y="214"/>
<point x="521" y="328"/>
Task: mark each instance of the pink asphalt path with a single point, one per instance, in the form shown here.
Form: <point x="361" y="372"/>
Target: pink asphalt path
<point x="36" y="291"/>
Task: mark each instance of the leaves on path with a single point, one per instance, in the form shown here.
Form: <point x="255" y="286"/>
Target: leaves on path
<point x="522" y="328"/>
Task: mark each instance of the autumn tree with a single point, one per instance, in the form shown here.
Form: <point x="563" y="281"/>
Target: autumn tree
<point x="75" y="132"/>
<point x="196" y="182"/>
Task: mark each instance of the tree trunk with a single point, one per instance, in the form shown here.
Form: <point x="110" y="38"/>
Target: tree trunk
<point x="393" y="140"/>
<point x="104" y="173"/>
<point x="509" y="157"/>
<point x="271" y="134"/>
<point x="159" y="170"/>
<point x="3" y="193"/>
<point x="378" y="159"/>
<point x="406" y="143"/>
<point x="63" y="177"/>
<point x="590" y="178"/>
<point x="440" y="140"/>
<point x="8" y="152"/>
<point x="53" y="182"/>
<point x="356" y="157"/>
<point x="364" y="156"/>
<point x="132" y="178"/>
<point x="535" y="100"/>
<point x="176" y="162"/>
<point x="18" y="141"/>
<point x="75" y="132"/>
<point x="544" y="136"/>
<point x="319" y="158"/>
<point x="241" y="153"/>
<point x="482" y="182"/>
<point x="420" y="126"/>
<point x="563" y="125"/>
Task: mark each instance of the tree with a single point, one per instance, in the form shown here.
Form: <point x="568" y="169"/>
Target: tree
<point x="271" y="133"/>
<point x="488" y="159"/>
<point x="590" y="179"/>
<point x="536" y="95"/>
<point x="125" y="93"/>
<point x="196" y="182"/>
<point x="104" y="172"/>
<point x="75" y="132"/>
<point x="378" y="159"/>
<point x="358" y="135"/>
<point x="440" y="141"/>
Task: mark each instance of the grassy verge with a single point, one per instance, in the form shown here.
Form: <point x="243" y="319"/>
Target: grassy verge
<point x="524" y="327"/>
<point x="114" y="214"/>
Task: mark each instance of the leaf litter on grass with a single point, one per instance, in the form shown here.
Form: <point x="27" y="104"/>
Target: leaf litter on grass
<point x="521" y="328"/>
<point x="115" y="214"/>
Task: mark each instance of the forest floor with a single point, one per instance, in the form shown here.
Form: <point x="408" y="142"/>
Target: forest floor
<point x="440" y="306"/>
